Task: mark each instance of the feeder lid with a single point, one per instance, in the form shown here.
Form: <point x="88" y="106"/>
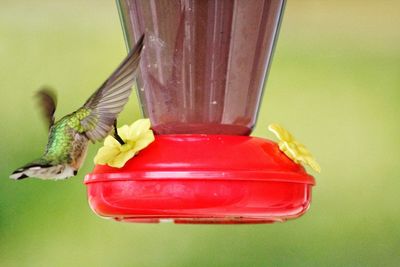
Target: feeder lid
<point x="216" y="157"/>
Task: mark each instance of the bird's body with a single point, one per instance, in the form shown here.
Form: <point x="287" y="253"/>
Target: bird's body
<point x="67" y="142"/>
<point x="69" y="137"/>
<point x="65" y="151"/>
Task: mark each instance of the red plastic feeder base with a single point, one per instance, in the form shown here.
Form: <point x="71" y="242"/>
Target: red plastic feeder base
<point x="202" y="179"/>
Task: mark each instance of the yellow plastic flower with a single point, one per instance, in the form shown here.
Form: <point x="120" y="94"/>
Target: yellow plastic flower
<point x="136" y="137"/>
<point x="293" y="149"/>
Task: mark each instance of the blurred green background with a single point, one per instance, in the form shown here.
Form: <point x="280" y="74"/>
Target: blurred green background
<point x="334" y="82"/>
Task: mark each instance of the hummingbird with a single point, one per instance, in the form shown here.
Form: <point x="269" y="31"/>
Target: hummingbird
<point x="68" y="138"/>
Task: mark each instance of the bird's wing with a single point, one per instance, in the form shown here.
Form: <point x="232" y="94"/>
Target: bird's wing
<point x="103" y="107"/>
<point x="47" y="102"/>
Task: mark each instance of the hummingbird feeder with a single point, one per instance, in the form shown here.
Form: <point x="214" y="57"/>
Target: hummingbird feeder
<point x="200" y="83"/>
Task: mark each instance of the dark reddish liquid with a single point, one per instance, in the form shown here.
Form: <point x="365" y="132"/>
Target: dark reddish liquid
<point x="209" y="128"/>
<point x="204" y="63"/>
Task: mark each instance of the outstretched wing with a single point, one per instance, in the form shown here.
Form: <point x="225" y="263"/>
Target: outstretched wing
<point x="47" y="102"/>
<point x="108" y="101"/>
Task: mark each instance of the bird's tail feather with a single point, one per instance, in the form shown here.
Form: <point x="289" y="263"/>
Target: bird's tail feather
<point x="30" y="169"/>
